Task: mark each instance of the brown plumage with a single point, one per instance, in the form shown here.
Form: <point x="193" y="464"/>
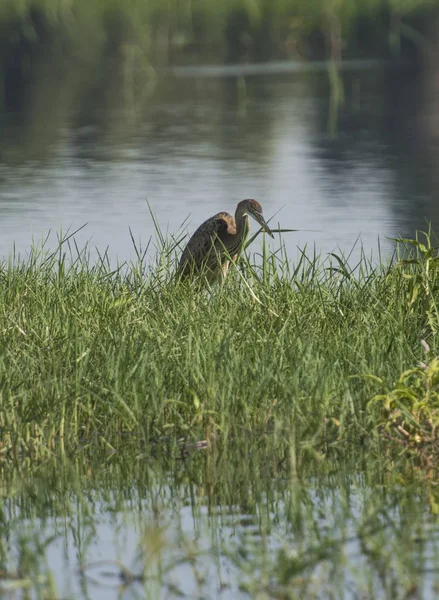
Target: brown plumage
<point x="218" y="240"/>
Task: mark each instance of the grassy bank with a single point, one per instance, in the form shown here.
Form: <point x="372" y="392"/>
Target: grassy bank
<point x="88" y="353"/>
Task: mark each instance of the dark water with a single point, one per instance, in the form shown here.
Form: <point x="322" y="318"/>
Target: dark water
<point x="200" y="144"/>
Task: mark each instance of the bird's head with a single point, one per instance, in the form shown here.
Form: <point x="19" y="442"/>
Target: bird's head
<point x="253" y="208"/>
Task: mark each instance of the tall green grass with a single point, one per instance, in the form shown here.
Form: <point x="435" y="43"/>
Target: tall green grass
<point x="89" y="351"/>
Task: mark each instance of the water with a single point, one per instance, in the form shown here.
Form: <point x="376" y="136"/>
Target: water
<point x="212" y="525"/>
<point x="204" y="143"/>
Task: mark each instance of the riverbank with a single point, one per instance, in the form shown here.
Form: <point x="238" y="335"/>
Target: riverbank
<point x="315" y="352"/>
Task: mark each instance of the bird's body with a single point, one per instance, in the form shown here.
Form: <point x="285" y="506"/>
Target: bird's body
<point x="218" y="241"/>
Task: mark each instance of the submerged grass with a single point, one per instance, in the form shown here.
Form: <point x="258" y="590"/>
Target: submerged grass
<point x="89" y="351"/>
<point x="245" y="526"/>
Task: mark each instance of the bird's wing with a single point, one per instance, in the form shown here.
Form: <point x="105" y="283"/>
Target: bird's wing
<point x="203" y="241"/>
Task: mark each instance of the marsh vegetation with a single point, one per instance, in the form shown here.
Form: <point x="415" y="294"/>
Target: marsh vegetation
<point x="123" y="389"/>
<point x="295" y="347"/>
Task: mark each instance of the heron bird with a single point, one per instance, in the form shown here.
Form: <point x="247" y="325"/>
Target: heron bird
<point x="219" y="240"/>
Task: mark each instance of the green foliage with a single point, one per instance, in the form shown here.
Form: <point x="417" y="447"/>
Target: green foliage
<point x="420" y="268"/>
<point x="93" y="351"/>
<point x="409" y="411"/>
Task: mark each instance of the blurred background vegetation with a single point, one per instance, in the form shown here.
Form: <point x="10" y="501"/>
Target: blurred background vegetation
<point x="64" y="40"/>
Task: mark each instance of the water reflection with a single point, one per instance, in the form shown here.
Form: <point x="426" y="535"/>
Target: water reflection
<point x="213" y="525"/>
<point x="205" y="143"/>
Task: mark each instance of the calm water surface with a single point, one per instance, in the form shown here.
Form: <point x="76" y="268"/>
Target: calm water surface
<point x="201" y="144"/>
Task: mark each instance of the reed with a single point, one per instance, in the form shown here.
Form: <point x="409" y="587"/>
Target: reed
<point x="93" y="351"/>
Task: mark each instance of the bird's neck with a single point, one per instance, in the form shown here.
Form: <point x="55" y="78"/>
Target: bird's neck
<point x="242" y="225"/>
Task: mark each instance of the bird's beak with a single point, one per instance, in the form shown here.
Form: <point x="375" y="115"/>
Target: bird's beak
<point x="262" y="222"/>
